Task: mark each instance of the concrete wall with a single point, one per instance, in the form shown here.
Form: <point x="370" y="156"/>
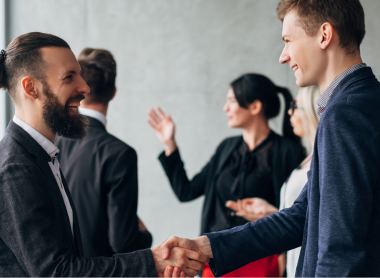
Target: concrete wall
<point x="180" y="55"/>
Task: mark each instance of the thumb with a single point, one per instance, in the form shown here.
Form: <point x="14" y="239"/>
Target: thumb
<point x="167" y="245"/>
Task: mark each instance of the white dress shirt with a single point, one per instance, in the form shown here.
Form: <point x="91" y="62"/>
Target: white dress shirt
<point x="53" y="151"/>
<point x="94" y="114"/>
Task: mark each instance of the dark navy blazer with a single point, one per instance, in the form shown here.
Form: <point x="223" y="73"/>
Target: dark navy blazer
<point x="336" y="218"/>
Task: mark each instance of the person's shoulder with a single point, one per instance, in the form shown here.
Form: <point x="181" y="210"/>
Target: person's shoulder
<point x="285" y="143"/>
<point x="13" y="152"/>
<point x="113" y="147"/>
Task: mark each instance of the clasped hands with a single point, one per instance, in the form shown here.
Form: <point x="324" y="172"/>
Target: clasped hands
<point x="252" y="209"/>
<point x="189" y="255"/>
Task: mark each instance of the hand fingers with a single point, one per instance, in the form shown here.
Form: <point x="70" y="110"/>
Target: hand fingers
<point x="152" y="123"/>
<point x="194" y="265"/>
<point x="153" y="116"/>
<point x="191" y="272"/>
<point x="232" y="205"/>
<point x="176" y="272"/>
<point x="159" y="274"/>
<point x="196" y="256"/>
<point x="162" y="114"/>
<point x="169" y="271"/>
<point x="182" y="274"/>
<point x="168" y="245"/>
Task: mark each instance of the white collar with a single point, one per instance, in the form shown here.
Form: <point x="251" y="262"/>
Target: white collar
<point x="93" y="114"/>
<point x="45" y="143"/>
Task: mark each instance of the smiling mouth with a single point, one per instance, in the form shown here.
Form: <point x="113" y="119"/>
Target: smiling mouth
<point x="74" y="105"/>
<point x="295" y="68"/>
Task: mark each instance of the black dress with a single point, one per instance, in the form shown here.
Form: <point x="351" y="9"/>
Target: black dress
<point x="222" y="179"/>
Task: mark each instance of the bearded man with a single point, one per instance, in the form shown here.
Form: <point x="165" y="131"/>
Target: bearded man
<point x="39" y="231"/>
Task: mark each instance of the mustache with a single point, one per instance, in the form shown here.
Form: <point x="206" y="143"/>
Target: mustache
<point x="78" y="98"/>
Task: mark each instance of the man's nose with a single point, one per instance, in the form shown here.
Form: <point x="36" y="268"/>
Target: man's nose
<point x="284" y="58"/>
<point x="83" y="88"/>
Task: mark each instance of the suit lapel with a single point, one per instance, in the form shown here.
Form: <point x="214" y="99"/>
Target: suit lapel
<point x="76" y="228"/>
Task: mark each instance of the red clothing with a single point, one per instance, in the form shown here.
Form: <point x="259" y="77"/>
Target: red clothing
<point x="267" y="267"/>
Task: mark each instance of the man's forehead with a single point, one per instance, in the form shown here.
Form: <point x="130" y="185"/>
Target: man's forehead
<point x="61" y="59"/>
<point x="290" y="24"/>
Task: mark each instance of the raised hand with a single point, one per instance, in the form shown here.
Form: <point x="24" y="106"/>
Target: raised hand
<point x="164" y="128"/>
<point x="187" y="260"/>
<point x="252" y="209"/>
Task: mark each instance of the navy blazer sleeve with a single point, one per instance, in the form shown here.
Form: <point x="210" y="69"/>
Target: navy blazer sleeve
<point x="30" y="231"/>
<point x="267" y="236"/>
<point x="122" y="183"/>
<point x="348" y="159"/>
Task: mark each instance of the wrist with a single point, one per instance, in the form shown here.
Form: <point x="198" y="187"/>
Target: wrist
<point x="158" y="260"/>
<point x="204" y="246"/>
<point x="170" y="147"/>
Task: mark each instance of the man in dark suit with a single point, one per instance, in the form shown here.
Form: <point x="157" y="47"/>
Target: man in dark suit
<point x="336" y="218"/>
<point x="39" y="231"/>
<point x="101" y="170"/>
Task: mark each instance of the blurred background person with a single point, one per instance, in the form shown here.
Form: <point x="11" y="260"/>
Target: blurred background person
<point x="101" y="170"/>
<point x="304" y="121"/>
<point x="255" y="164"/>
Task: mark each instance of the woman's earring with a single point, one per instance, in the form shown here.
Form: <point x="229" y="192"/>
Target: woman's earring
<point x="35" y="96"/>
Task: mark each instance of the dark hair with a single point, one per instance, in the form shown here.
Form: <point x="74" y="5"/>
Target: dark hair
<point x="250" y="87"/>
<point x="22" y="57"/>
<point x="346" y="17"/>
<point x="99" y="72"/>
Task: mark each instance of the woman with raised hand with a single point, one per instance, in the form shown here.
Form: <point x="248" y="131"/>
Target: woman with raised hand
<point x="304" y="120"/>
<point x="255" y="164"/>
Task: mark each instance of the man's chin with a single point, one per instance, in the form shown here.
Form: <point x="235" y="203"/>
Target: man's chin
<point x="301" y="82"/>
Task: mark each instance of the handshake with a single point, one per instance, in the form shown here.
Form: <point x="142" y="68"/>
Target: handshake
<point x="177" y="257"/>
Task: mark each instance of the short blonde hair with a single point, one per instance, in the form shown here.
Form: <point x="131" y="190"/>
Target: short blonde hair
<point x="307" y="99"/>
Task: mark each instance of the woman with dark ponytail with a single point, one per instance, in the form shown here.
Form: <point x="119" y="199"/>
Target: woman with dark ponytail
<point x="255" y="164"/>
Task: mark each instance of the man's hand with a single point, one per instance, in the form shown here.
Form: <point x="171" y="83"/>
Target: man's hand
<point x="201" y="245"/>
<point x="171" y="272"/>
<point x="187" y="260"/>
<point x="252" y="209"/>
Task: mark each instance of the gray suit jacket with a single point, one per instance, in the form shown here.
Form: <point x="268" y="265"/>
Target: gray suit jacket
<point x="35" y="232"/>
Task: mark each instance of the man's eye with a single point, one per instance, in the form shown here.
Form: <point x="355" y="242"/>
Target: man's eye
<point x="69" y="77"/>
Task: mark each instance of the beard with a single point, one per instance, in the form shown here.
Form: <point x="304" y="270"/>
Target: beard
<point x="58" y="118"/>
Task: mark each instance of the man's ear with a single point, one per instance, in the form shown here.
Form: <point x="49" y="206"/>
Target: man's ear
<point x="28" y="86"/>
<point x="255" y="107"/>
<point x="326" y="34"/>
<point x="114" y="93"/>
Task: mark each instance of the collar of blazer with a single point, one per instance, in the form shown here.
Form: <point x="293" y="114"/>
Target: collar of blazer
<point x="28" y="142"/>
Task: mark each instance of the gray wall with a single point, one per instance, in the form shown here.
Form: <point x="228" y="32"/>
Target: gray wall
<point x="180" y="55"/>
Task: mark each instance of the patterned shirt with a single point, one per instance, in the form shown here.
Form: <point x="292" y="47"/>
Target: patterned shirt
<point x="324" y="98"/>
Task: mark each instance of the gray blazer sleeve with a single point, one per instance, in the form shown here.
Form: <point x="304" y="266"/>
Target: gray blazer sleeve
<point x="31" y="235"/>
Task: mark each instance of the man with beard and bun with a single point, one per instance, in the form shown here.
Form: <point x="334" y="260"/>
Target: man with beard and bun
<point x="101" y="170"/>
<point x="39" y="230"/>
